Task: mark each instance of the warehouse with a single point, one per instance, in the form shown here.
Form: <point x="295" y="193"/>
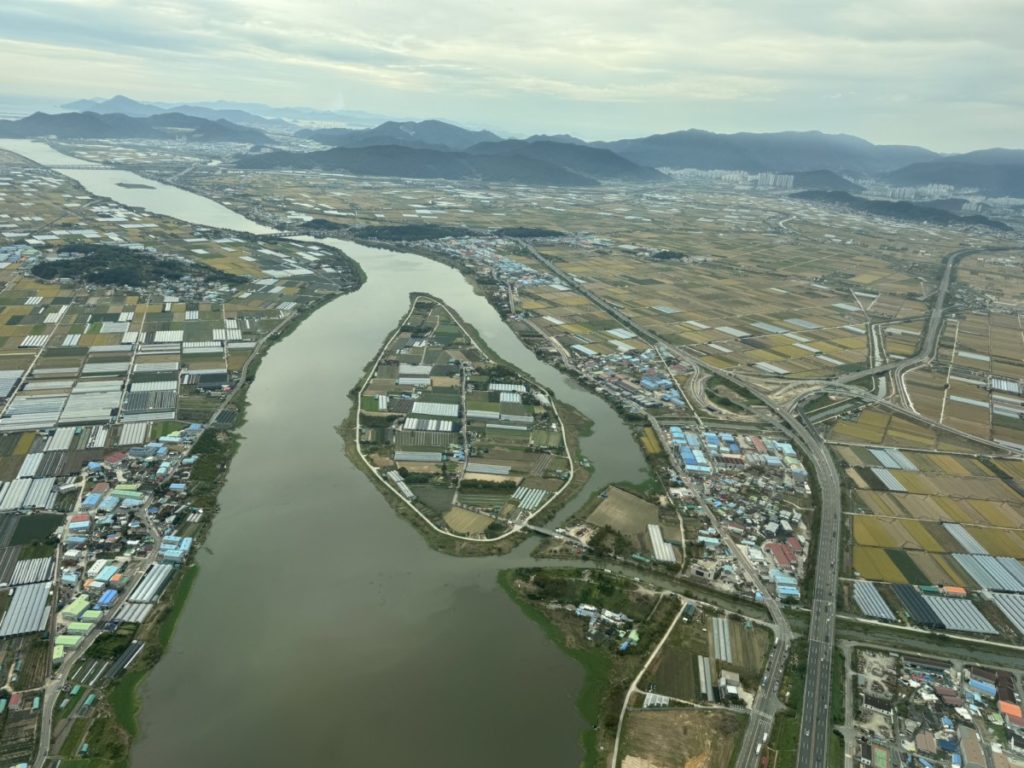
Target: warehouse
<point x="28" y="611"/>
<point x="152" y="584"/>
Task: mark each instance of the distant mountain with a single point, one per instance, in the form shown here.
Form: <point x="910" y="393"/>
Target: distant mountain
<point x="564" y="138"/>
<point x="824" y="180"/>
<point x="120" y="105"/>
<point x="993" y="172"/>
<point x="123" y="105"/>
<point x="426" y="134"/>
<point x="898" y="210"/>
<point x="90" y="125"/>
<point x="754" y="152"/>
<point x="352" y="118"/>
<point x="411" y="162"/>
<point x="601" y="164"/>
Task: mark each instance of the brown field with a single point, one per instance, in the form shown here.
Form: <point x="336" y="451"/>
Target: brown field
<point x="624" y="512"/>
<point x="681" y="738"/>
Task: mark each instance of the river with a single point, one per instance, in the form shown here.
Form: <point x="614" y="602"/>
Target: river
<point x="322" y="629"/>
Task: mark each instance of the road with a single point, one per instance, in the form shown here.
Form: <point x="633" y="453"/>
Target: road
<point x="633" y="686"/>
<point x="57" y="682"/>
<point x="815" y="720"/>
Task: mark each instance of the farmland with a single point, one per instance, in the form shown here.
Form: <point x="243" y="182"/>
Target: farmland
<point x="465" y="440"/>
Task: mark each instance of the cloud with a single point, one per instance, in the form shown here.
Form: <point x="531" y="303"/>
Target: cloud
<point x="893" y="70"/>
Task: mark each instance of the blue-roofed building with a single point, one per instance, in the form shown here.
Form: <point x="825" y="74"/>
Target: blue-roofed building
<point x="107" y="598"/>
<point x="91" y="500"/>
<point x="787" y="593"/>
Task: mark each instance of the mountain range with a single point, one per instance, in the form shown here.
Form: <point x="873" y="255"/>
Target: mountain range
<point x="425" y="134"/>
<point x="519" y="162"/>
<point x="821" y="161"/>
<point x="263" y="116"/>
<point x="122" y="105"/>
<point x="90" y="125"/>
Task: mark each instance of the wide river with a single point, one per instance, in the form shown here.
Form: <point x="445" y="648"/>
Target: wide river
<point x="322" y="629"/>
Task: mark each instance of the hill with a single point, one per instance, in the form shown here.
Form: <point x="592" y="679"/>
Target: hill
<point x="784" y="152"/>
<point x="824" y="180"/>
<point x="100" y="264"/>
<point x="993" y="172"/>
<point x="425" y="134"/>
<point x="410" y="162"/>
<point x="90" y="125"/>
<point x="898" y="210"/>
<point x="602" y="164"/>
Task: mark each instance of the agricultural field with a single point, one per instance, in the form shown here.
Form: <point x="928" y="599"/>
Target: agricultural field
<point x="656" y="738"/>
<point x="103" y="361"/>
<point x="874" y="425"/>
<point x="751" y="280"/>
<point x="906" y="500"/>
<point x="467" y="440"/>
<point x="975" y="384"/>
<point x="675" y="672"/>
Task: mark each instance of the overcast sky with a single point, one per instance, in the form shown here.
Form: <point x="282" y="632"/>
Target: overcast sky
<point x="947" y="74"/>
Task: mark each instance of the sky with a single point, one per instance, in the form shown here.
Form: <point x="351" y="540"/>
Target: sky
<point x="945" y="74"/>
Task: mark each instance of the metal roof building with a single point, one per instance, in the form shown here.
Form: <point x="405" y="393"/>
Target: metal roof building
<point x="32" y="571"/>
<point x="488" y="469"/>
<point x="1012" y="607"/>
<point x="432" y="457"/>
<point x="152" y="584"/>
<point x="870" y="602"/>
<point x="27" y="612"/>
<point x="530" y="498"/>
<point x="134" y="613"/>
<point x="442" y="410"/>
<point x="662" y="551"/>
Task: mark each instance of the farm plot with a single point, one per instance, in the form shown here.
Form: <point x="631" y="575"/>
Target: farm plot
<point x="624" y="512"/>
<point x="680" y="737"/>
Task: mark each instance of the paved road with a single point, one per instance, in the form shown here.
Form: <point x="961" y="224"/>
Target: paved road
<point x="816" y="720"/>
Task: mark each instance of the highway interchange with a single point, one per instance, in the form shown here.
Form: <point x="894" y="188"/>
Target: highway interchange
<point x="816" y="717"/>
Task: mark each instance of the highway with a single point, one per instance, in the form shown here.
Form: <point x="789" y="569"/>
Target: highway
<point x="816" y="719"/>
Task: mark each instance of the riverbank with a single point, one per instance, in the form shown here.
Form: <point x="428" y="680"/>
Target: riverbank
<point x="607" y="672"/>
<point x="114" y="726"/>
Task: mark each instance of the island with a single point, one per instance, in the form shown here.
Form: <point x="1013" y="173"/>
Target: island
<point x="465" y="444"/>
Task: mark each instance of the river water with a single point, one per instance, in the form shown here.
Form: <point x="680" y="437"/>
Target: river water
<point x="322" y="629"/>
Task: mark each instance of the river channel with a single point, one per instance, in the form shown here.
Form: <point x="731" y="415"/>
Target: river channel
<point x="322" y="629"/>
